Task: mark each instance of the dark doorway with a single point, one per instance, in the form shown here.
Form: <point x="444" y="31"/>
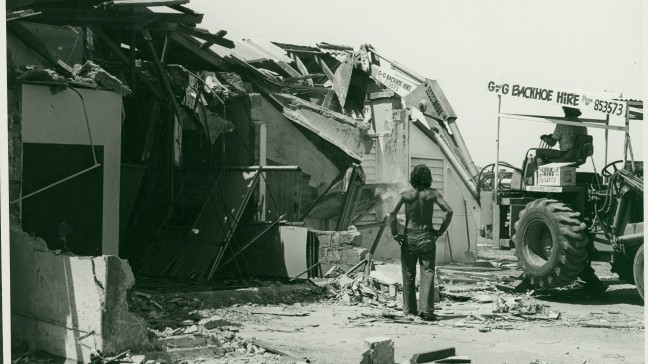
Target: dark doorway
<point x="70" y="213"/>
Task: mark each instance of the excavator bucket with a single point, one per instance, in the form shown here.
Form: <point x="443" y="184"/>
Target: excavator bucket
<point x="342" y="79"/>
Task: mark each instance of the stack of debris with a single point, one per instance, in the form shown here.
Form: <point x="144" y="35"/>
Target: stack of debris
<point x="526" y="308"/>
<point x="377" y="290"/>
<point x="184" y="333"/>
<point x="172" y="314"/>
<point x="88" y="75"/>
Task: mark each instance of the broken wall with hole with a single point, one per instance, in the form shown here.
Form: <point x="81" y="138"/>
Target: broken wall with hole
<point x="69" y="305"/>
<point x="80" y="214"/>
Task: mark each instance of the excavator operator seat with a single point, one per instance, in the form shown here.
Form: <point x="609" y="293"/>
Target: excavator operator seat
<point x="536" y="157"/>
<point x="584" y="148"/>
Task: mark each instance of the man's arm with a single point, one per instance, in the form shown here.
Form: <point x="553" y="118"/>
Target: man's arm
<point x="393" y="222"/>
<point x="448" y="213"/>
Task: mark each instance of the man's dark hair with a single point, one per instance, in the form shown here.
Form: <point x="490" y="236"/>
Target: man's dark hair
<point x="421" y="177"/>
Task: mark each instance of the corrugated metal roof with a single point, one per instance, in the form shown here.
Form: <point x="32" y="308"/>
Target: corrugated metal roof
<point x="250" y="50"/>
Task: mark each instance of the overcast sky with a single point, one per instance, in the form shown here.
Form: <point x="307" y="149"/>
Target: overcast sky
<point x="581" y="44"/>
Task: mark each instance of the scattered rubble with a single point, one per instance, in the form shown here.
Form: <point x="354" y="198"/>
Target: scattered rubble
<point x="378" y="291"/>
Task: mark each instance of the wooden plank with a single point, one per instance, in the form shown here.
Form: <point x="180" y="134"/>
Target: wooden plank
<point x="289" y="70"/>
<point x="327" y="71"/>
<point x="273" y="349"/>
<point x="182" y="9"/>
<point x="208" y="37"/>
<point x="21" y="14"/>
<point x="113" y="18"/>
<point x="124" y="3"/>
<point x="193" y="46"/>
<point x="430" y="356"/>
<point x="302" y="68"/>
<point x="374" y="246"/>
<point x="298" y="78"/>
<point x="218" y="37"/>
<point x="151" y="130"/>
<point x="177" y="130"/>
<point x="328" y="99"/>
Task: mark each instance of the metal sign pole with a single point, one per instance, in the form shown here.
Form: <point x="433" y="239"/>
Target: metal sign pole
<point x="497" y="147"/>
<point x="627" y="137"/>
<point x="607" y="122"/>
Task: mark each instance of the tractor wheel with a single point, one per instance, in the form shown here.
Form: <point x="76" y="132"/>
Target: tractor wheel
<point x="639" y="271"/>
<point x="550" y="243"/>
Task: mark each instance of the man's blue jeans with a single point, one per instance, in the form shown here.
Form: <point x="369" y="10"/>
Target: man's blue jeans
<point x="419" y="245"/>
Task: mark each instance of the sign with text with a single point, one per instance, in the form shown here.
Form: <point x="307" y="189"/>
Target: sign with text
<point x="543" y="189"/>
<point x="576" y="100"/>
<point x="392" y="80"/>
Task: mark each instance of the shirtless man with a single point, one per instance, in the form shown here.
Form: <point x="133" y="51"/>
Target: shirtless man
<point x="418" y="243"/>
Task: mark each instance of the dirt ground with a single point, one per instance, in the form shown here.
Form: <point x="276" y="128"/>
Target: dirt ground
<point x="330" y="331"/>
<point x="321" y="322"/>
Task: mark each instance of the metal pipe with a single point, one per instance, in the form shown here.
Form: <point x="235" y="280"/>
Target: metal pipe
<point x="465" y="154"/>
<point x="462" y="173"/>
<point x="55" y="183"/>
<point x="607" y="122"/>
<point x="631" y="237"/>
<point x="497" y="146"/>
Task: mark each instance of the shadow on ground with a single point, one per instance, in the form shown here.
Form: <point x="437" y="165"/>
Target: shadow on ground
<point x="625" y="294"/>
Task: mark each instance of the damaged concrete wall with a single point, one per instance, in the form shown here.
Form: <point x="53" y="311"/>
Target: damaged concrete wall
<point x="339" y="248"/>
<point x="58" y="118"/>
<point x="69" y="305"/>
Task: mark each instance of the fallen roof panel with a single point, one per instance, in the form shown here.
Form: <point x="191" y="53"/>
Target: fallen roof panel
<point x="250" y="50"/>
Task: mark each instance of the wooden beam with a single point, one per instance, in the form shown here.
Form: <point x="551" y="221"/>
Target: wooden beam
<point x="217" y="36"/>
<point x="125" y="3"/>
<point x="207" y="36"/>
<point x="298" y="78"/>
<point x="328" y="99"/>
<point x="125" y="59"/>
<point x="289" y="70"/>
<point x="165" y="49"/>
<point x="21" y="14"/>
<point x="177" y="139"/>
<point x="182" y="9"/>
<point x="117" y="19"/>
<point x="302" y="68"/>
<point x="327" y="71"/>
<point x="193" y="46"/>
<point x="33" y="42"/>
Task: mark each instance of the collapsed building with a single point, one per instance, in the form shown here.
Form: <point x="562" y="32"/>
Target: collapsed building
<point x="144" y="146"/>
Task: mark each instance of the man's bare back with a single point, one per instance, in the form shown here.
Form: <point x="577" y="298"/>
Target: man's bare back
<point x="419" y="206"/>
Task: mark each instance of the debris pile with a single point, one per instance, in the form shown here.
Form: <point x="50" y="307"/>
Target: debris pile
<point x="378" y="290"/>
<point x="173" y="313"/>
<point x="525" y="308"/>
<point x="183" y="333"/>
<point x="88" y="75"/>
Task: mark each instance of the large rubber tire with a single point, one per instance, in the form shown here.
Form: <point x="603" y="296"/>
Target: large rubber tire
<point x="639" y="271"/>
<point x="550" y="243"/>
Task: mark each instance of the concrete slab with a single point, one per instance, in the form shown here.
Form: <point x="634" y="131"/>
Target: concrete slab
<point x="378" y="350"/>
<point x="68" y="305"/>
